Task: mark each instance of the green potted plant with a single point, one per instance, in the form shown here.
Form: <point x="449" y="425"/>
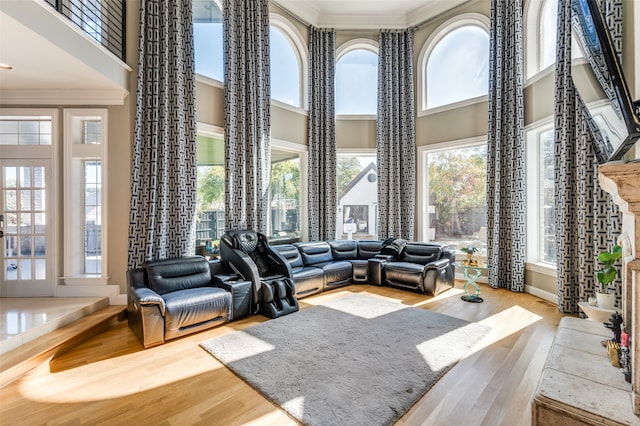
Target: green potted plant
<point x="606" y="275"/>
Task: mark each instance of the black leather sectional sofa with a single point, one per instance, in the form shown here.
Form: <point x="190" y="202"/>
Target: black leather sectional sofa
<point x="322" y="265"/>
<point x="174" y="297"/>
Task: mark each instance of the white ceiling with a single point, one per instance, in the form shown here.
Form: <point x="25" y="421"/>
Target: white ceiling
<point x="367" y="14"/>
<point x="55" y="63"/>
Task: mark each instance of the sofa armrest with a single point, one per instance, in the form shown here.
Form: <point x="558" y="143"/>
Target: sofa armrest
<point x="147" y="297"/>
<point x="241" y="292"/>
<point x="437" y="277"/>
<point x="437" y="264"/>
<point x="145" y="315"/>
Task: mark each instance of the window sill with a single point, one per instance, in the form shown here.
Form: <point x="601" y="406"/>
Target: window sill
<point x="86" y="280"/>
<point x="542" y="268"/>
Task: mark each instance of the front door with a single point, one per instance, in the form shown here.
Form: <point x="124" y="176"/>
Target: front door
<point x="26" y="226"/>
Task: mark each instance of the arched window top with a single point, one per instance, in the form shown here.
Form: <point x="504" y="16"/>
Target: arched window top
<point x="454" y="62"/>
<point x="356" y="87"/>
<point x="288" y="62"/>
<point x="207" y="35"/>
<point x="541" y="29"/>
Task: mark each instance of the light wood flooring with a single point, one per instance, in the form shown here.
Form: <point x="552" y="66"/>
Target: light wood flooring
<point x="110" y="379"/>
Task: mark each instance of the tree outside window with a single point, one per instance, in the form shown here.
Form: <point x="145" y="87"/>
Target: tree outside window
<point x="457" y="196"/>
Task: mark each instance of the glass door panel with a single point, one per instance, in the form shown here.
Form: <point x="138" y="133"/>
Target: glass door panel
<point x="25" y="248"/>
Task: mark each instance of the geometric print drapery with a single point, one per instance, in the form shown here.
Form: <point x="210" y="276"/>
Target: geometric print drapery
<point x="247" y="108"/>
<point x="322" y="135"/>
<point x="506" y="218"/>
<point x="163" y="182"/>
<point x="396" y="135"/>
<point x="587" y="220"/>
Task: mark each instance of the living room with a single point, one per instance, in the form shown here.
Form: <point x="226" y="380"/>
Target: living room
<point x="109" y="95"/>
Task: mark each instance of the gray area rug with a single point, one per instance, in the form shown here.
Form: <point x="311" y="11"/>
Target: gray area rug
<point x="356" y="360"/>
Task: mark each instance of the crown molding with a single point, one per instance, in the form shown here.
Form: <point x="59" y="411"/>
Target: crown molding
<point x="63" y="97"/>
<point x="310" y="14"/>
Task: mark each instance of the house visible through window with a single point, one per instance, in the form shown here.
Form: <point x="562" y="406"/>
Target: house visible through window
<point x="357" y="182"/>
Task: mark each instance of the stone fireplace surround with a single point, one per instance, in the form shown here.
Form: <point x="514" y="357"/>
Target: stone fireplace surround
<point x="622" y="181"/>
<point x="578" y="386"/>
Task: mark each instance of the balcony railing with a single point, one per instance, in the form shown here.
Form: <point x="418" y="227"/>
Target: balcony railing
<point x="102" y="20"/>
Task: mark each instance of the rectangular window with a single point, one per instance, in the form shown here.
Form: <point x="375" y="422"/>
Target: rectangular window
<point x="541" y="217"/>
<point x="455" y="196"/>
<point x="357" y="181"/>
<point x="92" y="132"/>
<point x="210" y="222"/>
<point x="546" y="188"/>
<point x="92" y="217"/>
<point x="285" y="197"/>
<point x="25" y="130"/>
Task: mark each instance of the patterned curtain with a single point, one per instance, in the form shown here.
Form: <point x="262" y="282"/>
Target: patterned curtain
<point x="506" y="221"/>
<point x="247" y="121"/>
<point x="586" y="218"/>
<point x="163" y="182"/>
<point x="396" y="135"/>
<point x="322" y="135"/>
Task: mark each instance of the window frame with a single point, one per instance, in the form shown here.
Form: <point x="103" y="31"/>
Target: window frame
<point x="302" y="55"/>
<point x="349" y="46"/>
<point x="532" y="138"/>
<point x="459" y="21"/>
<point x="74" y="157"/>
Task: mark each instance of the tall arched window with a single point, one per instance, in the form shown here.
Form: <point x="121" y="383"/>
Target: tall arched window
<point x="207" y="35"/>
<point x="357" y="79"/>
<point x="540" y="31"/>
<point x="288" y="62"/>
<point x="455" y="62"/>
<point x="548" y="31"/>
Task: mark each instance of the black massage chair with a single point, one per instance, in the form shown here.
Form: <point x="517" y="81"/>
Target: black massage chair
<point x="250" y="255"/>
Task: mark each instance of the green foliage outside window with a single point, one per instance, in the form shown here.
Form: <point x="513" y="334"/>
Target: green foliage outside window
<point x="285" y="180"/>
<point x="210" y="188"/>
<point x="347" y="167"/>
<point x="457" y="189"/>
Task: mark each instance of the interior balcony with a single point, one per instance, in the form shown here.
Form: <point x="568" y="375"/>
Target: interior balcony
<point x="57" y="59"/>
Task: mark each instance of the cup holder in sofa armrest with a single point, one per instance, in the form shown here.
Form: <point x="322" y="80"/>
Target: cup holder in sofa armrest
<point x="385" y="257"/>
<point x="376" y="264"/>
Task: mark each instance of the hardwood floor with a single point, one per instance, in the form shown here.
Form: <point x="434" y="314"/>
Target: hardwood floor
<point x="111" y="380"/>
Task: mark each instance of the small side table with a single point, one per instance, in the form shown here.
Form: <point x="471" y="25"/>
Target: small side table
<point x="471" y="273"/>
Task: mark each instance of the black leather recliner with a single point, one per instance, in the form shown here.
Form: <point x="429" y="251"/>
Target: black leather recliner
<point x="249" y="254"/>
<point x="169" y="298"/>
<point x="424" y="267"/>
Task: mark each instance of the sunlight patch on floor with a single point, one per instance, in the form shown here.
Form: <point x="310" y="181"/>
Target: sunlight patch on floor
<point x="66" y="386"/>
<point x="505" y="323"/>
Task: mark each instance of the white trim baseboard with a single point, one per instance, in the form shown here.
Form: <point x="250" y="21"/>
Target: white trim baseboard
<point x="542" y="294"/>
